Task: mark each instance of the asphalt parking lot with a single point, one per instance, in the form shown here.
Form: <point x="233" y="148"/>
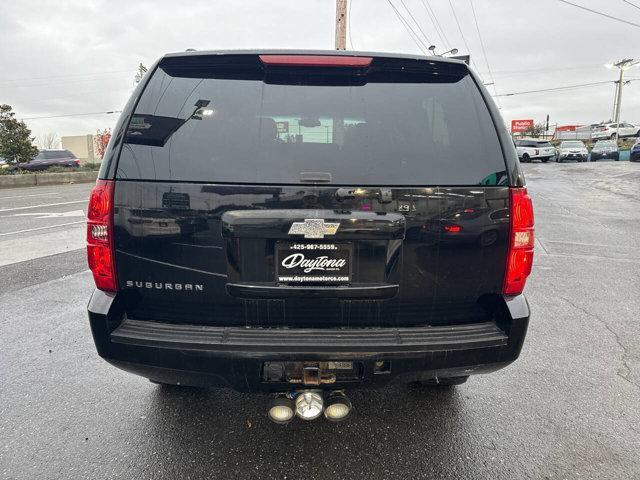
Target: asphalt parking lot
<point x="568" y="408"/>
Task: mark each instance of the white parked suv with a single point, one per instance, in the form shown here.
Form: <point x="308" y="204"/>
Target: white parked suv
<point x="572" y="150"/>
<point x="608" y="131"/>
<point x="530" y="149"/>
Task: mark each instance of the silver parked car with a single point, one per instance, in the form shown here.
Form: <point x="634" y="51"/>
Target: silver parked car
<point x="572" y="150"/>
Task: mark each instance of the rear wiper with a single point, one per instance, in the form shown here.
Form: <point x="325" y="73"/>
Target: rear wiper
<point x="315" y="177"/>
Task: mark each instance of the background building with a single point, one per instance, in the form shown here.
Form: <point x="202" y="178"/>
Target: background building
<point x="83" y="146"/>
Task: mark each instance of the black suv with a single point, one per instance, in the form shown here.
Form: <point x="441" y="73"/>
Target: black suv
<point x="288" y="222"/>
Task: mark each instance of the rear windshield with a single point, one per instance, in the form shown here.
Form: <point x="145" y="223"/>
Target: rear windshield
<point x="431" y="131"/>
<point x="544" y="144"/>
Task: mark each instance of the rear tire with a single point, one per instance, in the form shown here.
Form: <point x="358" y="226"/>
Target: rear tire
<point x="526" y="158"/>
<point x="443" y="382"/>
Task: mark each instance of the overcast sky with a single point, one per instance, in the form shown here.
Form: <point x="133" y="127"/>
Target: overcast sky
<point x="80" y="56"/>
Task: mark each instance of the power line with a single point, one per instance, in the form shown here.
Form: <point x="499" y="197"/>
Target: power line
<point x="600" y="13"/>
<point x="484" y="52"/>
<point x="436" y="24"/>
<point x="464" y="40"/>
<point x="55" y="84"/>
<point x="416" y="22"/>
<point x="547" y="69"/>
<point x="554" y="89"/>
<point x="407" y="27"/>
<point x="73" y="115"/>
<point x="632" y="4"/>
<point x="48" y="77"/>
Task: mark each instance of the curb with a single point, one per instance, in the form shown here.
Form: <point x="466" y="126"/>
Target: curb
<point x="37" y="179"/>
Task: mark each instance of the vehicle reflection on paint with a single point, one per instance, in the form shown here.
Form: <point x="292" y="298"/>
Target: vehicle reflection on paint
<point x="469" y="225"/>
<point x="150" y="223"/>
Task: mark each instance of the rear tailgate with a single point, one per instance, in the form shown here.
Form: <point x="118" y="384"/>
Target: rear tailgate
<point x="250" y="193"/>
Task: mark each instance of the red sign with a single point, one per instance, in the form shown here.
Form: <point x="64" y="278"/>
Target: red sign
<point x="520" y="125"/>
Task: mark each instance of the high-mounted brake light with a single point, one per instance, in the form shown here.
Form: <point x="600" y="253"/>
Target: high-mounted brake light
<point x="100" y="249"/>
<point x="315" y="61"/>
<point x="520" y="255"/>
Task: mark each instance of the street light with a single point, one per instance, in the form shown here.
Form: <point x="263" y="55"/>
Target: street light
<point x="432" y="49"/>
<point x="622" y="65"/>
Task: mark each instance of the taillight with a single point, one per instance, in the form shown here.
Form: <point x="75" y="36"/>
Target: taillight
<point x="520" y="256"/>
<point x="100" y="249"/>
<point x="315" y="60"/>
<point x="77" y="162"/>
<point x="537" y="152"/>
<point x="452" y="228"/>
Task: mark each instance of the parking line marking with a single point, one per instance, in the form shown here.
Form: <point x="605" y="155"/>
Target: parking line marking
<point x="42" y="228"/>
<point x="30" y="195"/>
<point x="40" y="206"/>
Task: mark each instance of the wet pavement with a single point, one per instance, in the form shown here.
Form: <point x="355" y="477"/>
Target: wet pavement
<point x="568" y="408"/>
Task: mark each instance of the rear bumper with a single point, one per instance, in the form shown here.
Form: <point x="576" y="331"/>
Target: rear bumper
<point x="604" y="155"/>
<point x="235" y="357"/>
<point x="576" y="157"/>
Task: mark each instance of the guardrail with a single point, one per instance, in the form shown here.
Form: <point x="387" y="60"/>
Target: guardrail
<point x="37" y="179"/>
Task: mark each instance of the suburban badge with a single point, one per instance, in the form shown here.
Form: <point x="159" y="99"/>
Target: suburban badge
<point x="313" y="228"/>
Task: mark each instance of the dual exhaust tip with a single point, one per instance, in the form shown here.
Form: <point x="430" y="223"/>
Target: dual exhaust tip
<point x="309" y="405"/>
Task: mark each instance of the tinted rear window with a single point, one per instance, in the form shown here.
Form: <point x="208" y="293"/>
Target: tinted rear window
<point x="431" y="131"/>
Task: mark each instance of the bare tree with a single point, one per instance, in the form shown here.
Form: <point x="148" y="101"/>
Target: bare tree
<point x="535" y="130"/>
<point x="48" y="141"/>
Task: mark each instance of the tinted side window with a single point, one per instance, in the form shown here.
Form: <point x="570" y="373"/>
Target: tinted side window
<point x="499" y="214"/>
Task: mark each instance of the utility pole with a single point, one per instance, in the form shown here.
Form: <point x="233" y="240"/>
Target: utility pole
<point x="618" y="102"/>
<point x="622" y="65"/>
<point x="615" y="100"/>
<point x="341" y="24"/>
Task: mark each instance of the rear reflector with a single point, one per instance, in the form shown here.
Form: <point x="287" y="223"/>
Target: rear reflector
<point x="100" y="250"/>
<point x="521" y="238"/>
<point x="315" y="61"/>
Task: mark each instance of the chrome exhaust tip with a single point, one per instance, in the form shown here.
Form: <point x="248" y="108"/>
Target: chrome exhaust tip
<point x="309" y="405"/>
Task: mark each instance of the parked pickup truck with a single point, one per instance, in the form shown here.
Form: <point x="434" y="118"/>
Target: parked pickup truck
<point x="301" y="213"/>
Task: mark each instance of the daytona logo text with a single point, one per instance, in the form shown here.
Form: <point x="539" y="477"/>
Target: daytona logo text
<point x="309" y="265"/>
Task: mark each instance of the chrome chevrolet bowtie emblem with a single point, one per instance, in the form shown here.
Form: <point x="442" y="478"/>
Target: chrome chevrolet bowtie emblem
<point x="313" y="228"/>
